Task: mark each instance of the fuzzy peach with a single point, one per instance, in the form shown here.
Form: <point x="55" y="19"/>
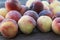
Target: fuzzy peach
<point x="9" y="29"/>
<point x="44" y="23"/>
<point x="26" y="24"/>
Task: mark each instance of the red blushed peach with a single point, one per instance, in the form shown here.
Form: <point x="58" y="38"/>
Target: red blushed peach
<point x="1" y="18"/>
<point x="26" y="24"/>
<point x="37" y="6"/>
<point x="9" y="29"/>
<point x="56" y="25"/>
<point x="15" y="15"/>
<point x="12" y="5"/>
<point x="32" y="14"/>
<point x="23" y="9"/>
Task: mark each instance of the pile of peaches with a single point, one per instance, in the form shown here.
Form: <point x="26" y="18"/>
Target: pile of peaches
<point x="38" y="14"/>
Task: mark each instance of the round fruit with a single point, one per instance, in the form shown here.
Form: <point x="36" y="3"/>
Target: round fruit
<point x="56" y="25"/>
<point x="9" y="28"/>
<point x="26" y="24"/>
<point x="44" y="23"/>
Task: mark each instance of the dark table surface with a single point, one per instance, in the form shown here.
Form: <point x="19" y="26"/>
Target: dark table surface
<point x="36" y="35"/>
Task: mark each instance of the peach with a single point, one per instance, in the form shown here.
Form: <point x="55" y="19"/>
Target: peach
<point x="44" y="23"/>
<point x="12" y="5"/>
<point x="37" y="6"/>
<point x="32" y="14"/>
<point x="26" y="24"/>
<point x="56" y="25"/>
<point x="47" y="13"/>
<point x="23" y="9"/>
<point x="15" y="15"/>
<point x="9" y="28"/>
<point x="3" y="12"/>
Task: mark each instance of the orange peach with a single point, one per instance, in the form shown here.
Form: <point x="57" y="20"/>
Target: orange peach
<point x="9" y="28"/>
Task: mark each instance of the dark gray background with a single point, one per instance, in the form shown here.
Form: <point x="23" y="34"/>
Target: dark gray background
<point x="36" y="35"/>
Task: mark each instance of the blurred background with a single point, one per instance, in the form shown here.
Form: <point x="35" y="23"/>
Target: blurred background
<point x="22" y="2"/>
<point x="3" y="1"/>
